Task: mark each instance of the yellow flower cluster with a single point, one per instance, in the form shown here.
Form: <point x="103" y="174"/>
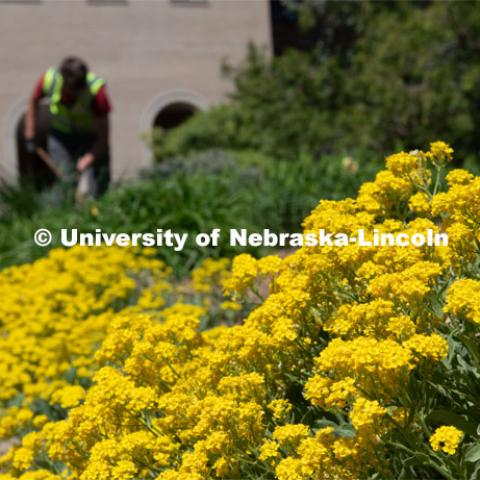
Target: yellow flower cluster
<point x="307" y="387"/>
<point x="446" y="439"/>
<point x="54" y="315"/>
<point x="210" y="273"/>
<point x="463" y="298"/>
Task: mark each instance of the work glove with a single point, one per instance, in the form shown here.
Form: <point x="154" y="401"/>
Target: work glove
<point x="30" y="145"/>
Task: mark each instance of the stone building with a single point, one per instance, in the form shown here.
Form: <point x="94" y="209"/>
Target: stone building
<point x="161" y="60"/>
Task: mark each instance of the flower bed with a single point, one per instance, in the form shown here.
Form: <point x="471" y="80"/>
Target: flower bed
<point x="359" y="362"/>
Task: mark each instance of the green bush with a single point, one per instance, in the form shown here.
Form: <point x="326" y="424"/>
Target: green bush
<point x="214" y="189"/>
<point x="380" y="77"/>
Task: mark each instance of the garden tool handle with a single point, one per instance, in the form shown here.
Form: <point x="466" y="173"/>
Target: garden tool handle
<point x="47" y="159"/>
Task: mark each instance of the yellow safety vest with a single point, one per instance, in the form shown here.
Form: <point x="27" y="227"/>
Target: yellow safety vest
<point x="76" y="118"/>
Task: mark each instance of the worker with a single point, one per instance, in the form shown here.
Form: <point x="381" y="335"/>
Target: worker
<point x="78" y="137"/>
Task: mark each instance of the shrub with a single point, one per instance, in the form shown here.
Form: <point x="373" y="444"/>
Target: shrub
<point x="378" y="76"/>
<point x="214" y="189"/>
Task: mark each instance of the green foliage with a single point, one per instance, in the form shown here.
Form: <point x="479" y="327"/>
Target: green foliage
<point x="215" y="189"/>
<point x="14" y="200"/>
<point x="220" y="127"/>
<point x="381" y="77"/>
<point x="414" y="76"/>
<point x="450" y="396"/>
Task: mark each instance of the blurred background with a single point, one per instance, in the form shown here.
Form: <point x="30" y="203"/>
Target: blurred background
<point x="161" y="60"/>
<point x="233" y="113"/>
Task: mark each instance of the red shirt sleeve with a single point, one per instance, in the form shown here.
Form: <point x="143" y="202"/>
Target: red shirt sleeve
<point x="101" y="105"/>
<point x="38" y="89"/>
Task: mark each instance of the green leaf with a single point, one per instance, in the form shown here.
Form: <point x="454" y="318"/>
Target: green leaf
<point x="70" y="375"/>
<point x="446" y="417"/>
<point x="472" y="454"/>
<point x="345" y="430"/>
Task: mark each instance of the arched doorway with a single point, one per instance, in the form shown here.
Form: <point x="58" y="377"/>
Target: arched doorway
<point x="168" y="111"/>
<point x="173" y="115"/>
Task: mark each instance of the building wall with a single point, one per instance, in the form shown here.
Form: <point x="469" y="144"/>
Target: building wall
<point x="151" y="52"/>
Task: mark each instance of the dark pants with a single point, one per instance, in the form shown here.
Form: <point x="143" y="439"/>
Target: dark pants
<point x="65" y="150"/>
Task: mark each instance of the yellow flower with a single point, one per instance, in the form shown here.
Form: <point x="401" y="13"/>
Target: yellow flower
<point x="402" y="163"/>
<point x="69" y="396"/>
<point x="290" y="434"/>
<point x="419" y="203"/>
<point x="269" y="449"/>
<point x="230" y="305"/>
<point x="221" y="467"/>
<point x="366" y="413"/>
<point x="244" y="273"/>
<point x="280" y="408"/>
<point x="430" y="346"/>
<point x="446" y="439"/>
<point x="440" y="153"/>
<point x="463" y="298"/>
<point x="458" y="177"/>
<point x="289" y="469"/>
<point x="210" y="274"/>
